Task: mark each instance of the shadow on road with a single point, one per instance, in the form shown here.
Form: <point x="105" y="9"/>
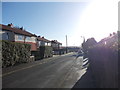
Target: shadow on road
<point x="73" y="55"/>
<point x="86" y="81"/>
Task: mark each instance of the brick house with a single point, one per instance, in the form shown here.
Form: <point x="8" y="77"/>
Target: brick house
<point x="11" y="33"/>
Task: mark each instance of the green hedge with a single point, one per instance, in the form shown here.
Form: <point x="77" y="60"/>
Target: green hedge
<point x="47" y="51"/>
<point x="36" y="54"/>
<point x="13" y="53"/>
<point x="43" y="52"/>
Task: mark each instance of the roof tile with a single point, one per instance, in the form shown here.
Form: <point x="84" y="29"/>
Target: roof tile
<point x="17" y="30"/>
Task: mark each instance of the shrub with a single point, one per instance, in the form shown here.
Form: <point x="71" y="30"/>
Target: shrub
<point x="44" y="51"/>
<point x="36" y="54"/>
<point x="13" y="53"/>
<point x="104" y="63"/>
<point x="48" y="51"/>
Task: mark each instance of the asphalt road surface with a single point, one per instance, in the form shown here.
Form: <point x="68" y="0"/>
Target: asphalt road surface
<point x="57" y="72"/>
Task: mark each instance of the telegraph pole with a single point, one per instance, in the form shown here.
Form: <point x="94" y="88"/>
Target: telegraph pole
<point x="66" y="43"/>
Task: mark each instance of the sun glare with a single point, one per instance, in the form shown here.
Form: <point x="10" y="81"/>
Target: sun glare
<point x="98" y="20"/>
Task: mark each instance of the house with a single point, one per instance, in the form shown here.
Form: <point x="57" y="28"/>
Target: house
<point x="111" y="38"/>
<point x="43" y="41"/>
<point x="15" y="34"/>
<point x="56" y="46"/>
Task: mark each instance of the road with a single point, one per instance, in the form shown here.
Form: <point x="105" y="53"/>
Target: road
<point x="57" y="72"/>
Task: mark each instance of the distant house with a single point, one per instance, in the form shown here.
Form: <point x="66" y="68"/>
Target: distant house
<point x="56" y="46"/>
<point x="111" y="38"/>
<point x="10" y="33"/>
<point x="43" y="42"/>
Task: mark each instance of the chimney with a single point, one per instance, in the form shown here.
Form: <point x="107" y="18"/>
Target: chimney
<point x="43" y="37"/>
<point x="39" y="36"/>
<point x="11" y="25"/>
<point x="114" y="33"/>
<point x="110" y="35"/>
<point x="21" y="28"/>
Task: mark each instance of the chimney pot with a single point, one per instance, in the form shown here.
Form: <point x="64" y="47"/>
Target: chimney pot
<point x="21" y="28"/>
<point x="11" y="25"/>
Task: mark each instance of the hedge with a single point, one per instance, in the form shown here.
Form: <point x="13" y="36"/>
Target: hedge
<point x="43" y="52"/>
<point x="36" y="54"/>
<point x="13" y="53"/>
<point x="47" y="50"/>
<point x="104" y="63"/>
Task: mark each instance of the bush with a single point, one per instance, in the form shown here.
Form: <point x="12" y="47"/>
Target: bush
<point x="43" y="52"/>
<point x="36" y="54"/>
<point x="47" y="51"/>
<point x="13" y="53"/>
<point x="104" y="63"/>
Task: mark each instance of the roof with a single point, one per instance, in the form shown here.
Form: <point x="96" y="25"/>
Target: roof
<point x="108" y="38"/>
<point x="55" y="41"/>
<point x="43" y="39"/>
<point x="17" y="30"/>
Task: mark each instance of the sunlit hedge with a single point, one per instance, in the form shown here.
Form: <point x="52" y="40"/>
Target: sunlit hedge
<point x="43" y="52"/>
<point x="13" y="53"/>
<point x="47" y="51"/>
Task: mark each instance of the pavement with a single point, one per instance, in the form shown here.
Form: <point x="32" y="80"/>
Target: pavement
<point x="65" y="71"/>
<point x="87" y="80"/>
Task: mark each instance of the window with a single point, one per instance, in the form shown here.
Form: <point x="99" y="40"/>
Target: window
<point x="19" y="37"/>
<point x="33" y="39"/>
<point x="28" y="38"/>
<point x="46" y="43"/>
<point x="49" y="44"/>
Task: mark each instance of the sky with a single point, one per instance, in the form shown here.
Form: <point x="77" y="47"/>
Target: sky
<point x="55" y="20"/>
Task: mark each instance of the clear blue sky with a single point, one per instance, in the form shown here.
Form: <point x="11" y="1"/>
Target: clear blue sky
<point x="53" y="20"/>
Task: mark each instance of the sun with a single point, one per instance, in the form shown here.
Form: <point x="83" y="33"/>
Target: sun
<point x="99" y="19"/>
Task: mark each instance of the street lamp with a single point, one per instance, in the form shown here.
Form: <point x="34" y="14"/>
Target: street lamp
<point x="66" y="43"/>
<point x="83" y="38"/>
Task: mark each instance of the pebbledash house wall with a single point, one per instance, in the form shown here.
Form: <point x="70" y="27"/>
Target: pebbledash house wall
<point x="32" y="41"/>
<point x="56" y="45"/>
<point x="6" y="35"/>
<point x="43" y="42"/>
<point x="11" y="36"/>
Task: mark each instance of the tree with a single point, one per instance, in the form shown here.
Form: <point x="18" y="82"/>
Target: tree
<point x="87" y="45"/>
